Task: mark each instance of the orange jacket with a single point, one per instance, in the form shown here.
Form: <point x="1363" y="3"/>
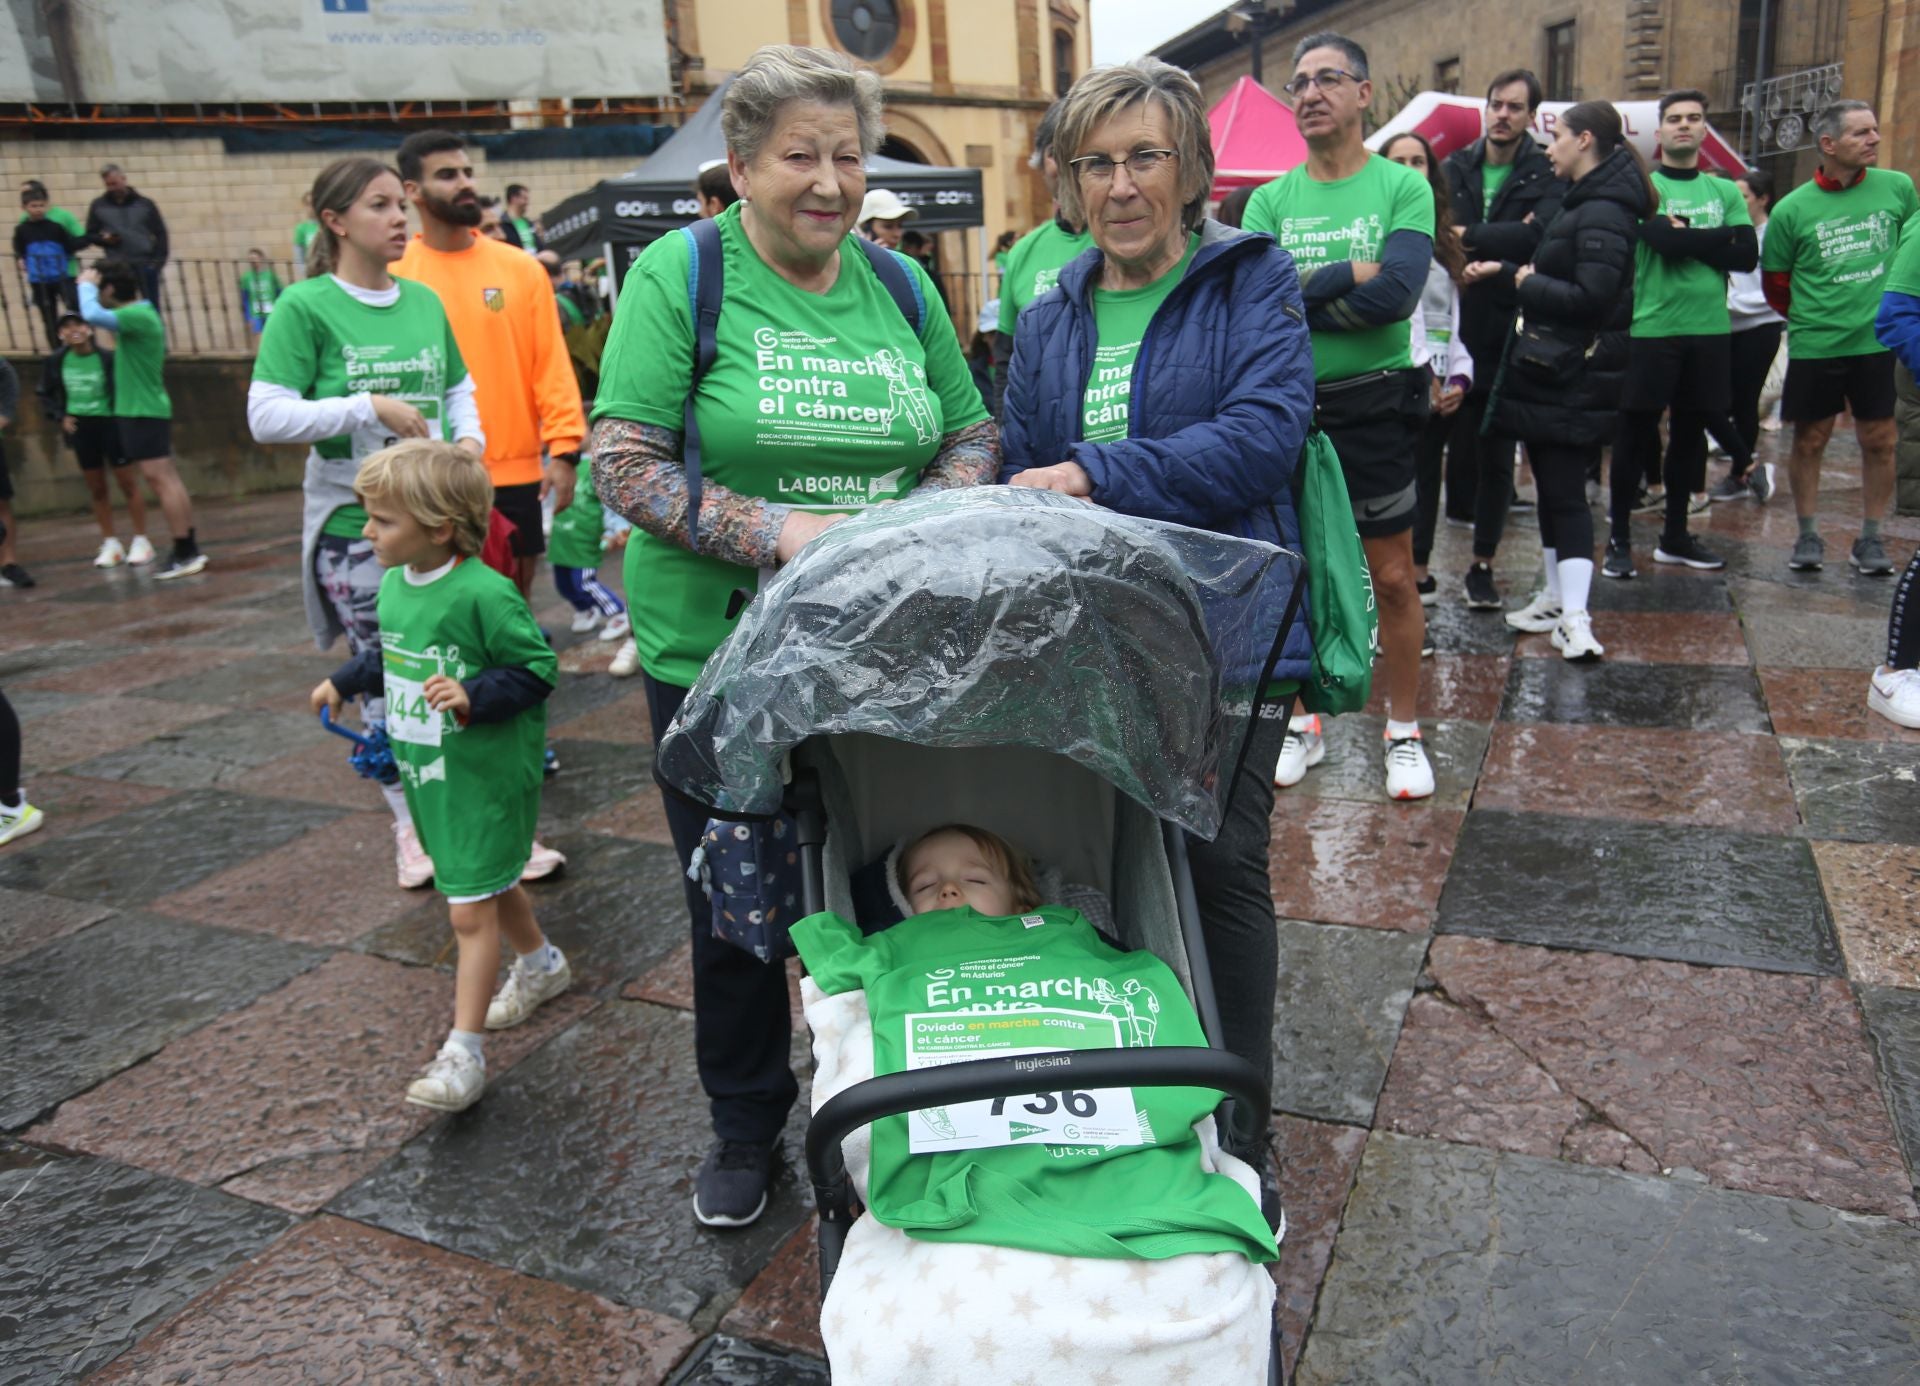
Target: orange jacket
<point x="500" y="303"/>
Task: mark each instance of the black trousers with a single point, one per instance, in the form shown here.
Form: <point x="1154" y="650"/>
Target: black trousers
<point x="54" y="300"/>
<point x="1426" y="483"/>
<point x="1479" y="476"/>
<point x="1636" y="452"/>
<point x="741" y="1026"/>
<point x="10" y="752"/>
<point x="1753" y="353"/>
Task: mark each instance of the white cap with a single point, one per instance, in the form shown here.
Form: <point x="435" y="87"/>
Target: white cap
<point x="884" y="204"/>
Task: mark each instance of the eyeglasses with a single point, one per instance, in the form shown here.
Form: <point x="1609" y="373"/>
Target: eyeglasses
<point x="1327" y="79"/>
<point x="1142" y="163"/>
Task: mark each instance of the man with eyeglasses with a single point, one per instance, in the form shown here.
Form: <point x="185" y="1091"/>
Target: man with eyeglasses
<point x="1036" y="259"/>
<point x="1502" y="194"/>
<point x="1360" y="229"/>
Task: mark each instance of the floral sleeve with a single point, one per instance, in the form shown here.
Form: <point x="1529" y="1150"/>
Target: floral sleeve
<point x="968" y="457"/>
<point x="638" y="472"/>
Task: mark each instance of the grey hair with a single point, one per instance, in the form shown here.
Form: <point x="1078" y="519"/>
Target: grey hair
<point x="1831" y="122"/>
<point x="1356" y="56"/>
<point x="782" y="72"/>
<point x="1104" y="92"/>
<point x="105" y="169"/>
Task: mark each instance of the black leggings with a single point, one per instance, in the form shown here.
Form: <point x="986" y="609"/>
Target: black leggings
<point x="1753" y="353"/>
<point x="1560" y="481"/>
<point x="10" y="752"/>
<point x="1903" y="623"/>
<point x="1426" y="494"/>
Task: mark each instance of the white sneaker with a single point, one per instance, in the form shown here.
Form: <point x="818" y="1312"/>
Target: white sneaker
<point x="1573" y="637"/>
<point x="18" y="822"/>
<point x="453" y="1082"/>
<point x="542" y="863"/>
<point x="411" y="862"/>
<point x="524" y="992"/>
<point x="626" y="660"/>
<point x="1538" y="616"/>
<point x="1893" y="693"/>
<point x="616" y="627"/>
<point x="1409" y="775"/>
<point x="141" y="550"/>
<point x="584" y="621"/>
<point x="1303" y="749"/>
<point x="111" y="555"/>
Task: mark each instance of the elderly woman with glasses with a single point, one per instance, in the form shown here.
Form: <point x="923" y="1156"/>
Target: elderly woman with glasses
<point x="1169" y="374"/>
<point x="823" y="397"/>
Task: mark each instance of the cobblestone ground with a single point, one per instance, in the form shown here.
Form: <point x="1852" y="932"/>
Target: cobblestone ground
<point x="1599" y="1066"/>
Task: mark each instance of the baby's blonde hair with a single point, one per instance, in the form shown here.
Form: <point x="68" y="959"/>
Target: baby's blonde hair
<point x="436" y="483"/>
<point x="1009" y="860"/>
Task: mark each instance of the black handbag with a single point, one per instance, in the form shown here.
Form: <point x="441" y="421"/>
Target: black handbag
<point x="1548" y="354"/>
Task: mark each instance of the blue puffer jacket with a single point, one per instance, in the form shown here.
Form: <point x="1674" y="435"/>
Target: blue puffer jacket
<point x="1222" y="397"/>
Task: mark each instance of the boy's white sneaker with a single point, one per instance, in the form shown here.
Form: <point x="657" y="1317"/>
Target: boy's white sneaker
<point x="1538" y="616"/>
<point x="452" y="1082"/>
<point x="584" y="621"/>
<point x="1409" y="775"/>
<point x="616" y="627"/>
<point x="525" y="991"/>
<point x="1573" y="637"/>
<point x="141" y="550"/>
<point x="18" y="822"/>
<point x="1303" y="749"/>
<point x="411" y="863"/>
<point x="626" y="660"/>
<point x="542" y="862"/>
<point x="111" y="555"/>
<point x="1893" y="693"/>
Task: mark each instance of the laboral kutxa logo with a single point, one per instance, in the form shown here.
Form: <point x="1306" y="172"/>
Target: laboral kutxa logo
<point x="495" y="299"/>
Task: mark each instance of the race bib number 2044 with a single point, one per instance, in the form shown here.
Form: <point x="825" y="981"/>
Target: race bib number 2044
<point x="1103" y="1117"/>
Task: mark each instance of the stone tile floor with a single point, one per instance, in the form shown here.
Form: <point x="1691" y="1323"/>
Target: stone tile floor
<point x="1602" y="1065"/>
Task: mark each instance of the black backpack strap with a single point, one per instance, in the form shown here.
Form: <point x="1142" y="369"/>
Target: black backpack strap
<point x="901" y="283"/>
<point x="706" y="285"/>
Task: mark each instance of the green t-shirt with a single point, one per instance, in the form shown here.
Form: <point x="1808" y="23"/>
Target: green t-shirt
<point x="1322" y="224"/>
<point x="1837" y="246"/>
<point x="85" y="381"/>
<point x="1121" y="317"/>
<point x="1033" y="267"/>
<point x="303" y="234"/>
<point x="260" y="288"/>
<point x="474" y="790"/>
<point x="575" y="541"/>
<point x="1903" y="276"/>
<point x="818" y="401"/>
<point x="1493" y="177"/>
<point x="139" y="359"/>
<point x="1686" y="297"/>
<point x="346" y="522"/>
<point x="1111" y="1173"/>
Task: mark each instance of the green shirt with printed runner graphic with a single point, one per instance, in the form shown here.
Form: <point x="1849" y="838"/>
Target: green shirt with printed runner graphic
<point x="85" y="381"/>
<point x="1033" y="267"/>
<point x="325" y="343"/>
<point x="474" y="790"/>
<point x="1686" y="297"/>
<point x="1112" y="1173"/>
<point x="139" y="362"/>
<point x="575" y="541"/>
<point x="1837" y="246"/>
<point x="1322" y="224"/>
<point x="822" y="402"/>
<point x="1122" y="316"/>
<point x="260" y="289"/>
<point x="1493" y="177"/>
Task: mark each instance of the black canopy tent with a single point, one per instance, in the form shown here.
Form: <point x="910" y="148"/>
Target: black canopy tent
<point x="617" y="217"/>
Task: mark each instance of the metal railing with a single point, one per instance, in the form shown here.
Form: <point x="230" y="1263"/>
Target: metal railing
<point x="1776" y="115"/>
<point x="199" y="301"/>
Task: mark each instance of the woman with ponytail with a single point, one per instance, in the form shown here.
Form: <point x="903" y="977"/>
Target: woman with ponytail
<point x="1558" y="387"/>
<point x="354" y="360"/>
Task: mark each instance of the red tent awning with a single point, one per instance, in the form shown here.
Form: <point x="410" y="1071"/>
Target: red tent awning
<point x="1255" y="139"/>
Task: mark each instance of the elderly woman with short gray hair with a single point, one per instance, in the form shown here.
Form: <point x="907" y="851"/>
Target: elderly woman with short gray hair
<point x="1169" y="374"/>
<point x="836" y="382"/>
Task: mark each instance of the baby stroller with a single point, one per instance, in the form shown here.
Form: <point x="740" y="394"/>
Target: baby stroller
<point x="1078" y="681"/>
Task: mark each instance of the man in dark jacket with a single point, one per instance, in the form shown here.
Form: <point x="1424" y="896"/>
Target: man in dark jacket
<point x="130" y="225"/>
<point x="1503" y="195"/>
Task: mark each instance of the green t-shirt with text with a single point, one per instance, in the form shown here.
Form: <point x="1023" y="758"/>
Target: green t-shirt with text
<point x="85" y="381"/>
<point x="1121" y="317"/>
<point x="1685" y="297"/>
<point x="259" y="289"/>
<point x="139" y="361"/>
<point x="1903" y="276"/>
<point x="1322" y="224"/>
<point x="824" y="402"/>
<point x="1033" y="267"/>
<point x="1110" y="1173"/>
<point x="1493" y="177"/>
<point x="1837" y="246"/>
<point x="575" y="541"/>
<point x="473" y="790"/>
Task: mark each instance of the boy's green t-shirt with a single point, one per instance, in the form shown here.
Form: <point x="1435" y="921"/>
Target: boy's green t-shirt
<point x="1121" y="317"/>
<point x="575" y="541"/>
<point x="474" y="790"/>
<point x="1837" y="246"/>
<point x="139" y="360"/>
<point x="1686" y="297"/>
<point x="261" y="288"/>
<point x="85" y="381"/>
<point x="823" y="402"/>
<point x="1493" y="177"/>
<point x="1321" y="224"/>
<point x="1033" y="266"/>
<point x="1111" y="1173"/>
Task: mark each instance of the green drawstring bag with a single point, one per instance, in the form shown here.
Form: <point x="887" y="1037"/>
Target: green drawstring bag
<point x="1341" y="615"/>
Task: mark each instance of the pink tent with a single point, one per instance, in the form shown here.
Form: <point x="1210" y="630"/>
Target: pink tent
<point x="1254" y="138"/>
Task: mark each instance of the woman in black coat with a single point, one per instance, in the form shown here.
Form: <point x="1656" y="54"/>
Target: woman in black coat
<point x="1558" y="388"/>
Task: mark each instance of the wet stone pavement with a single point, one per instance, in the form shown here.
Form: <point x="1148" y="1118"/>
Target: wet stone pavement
<point x="1602" y="1065"/>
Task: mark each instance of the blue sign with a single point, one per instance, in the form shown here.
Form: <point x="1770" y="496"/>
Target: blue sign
<point x="344" y="6"/>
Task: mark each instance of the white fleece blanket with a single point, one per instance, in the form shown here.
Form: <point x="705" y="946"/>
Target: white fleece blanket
<point x="929" y="1313"/>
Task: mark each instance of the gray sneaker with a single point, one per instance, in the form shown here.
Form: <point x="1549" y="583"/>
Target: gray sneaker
<point x="1809" y="554"/>
<point x="1869" y="556"/>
